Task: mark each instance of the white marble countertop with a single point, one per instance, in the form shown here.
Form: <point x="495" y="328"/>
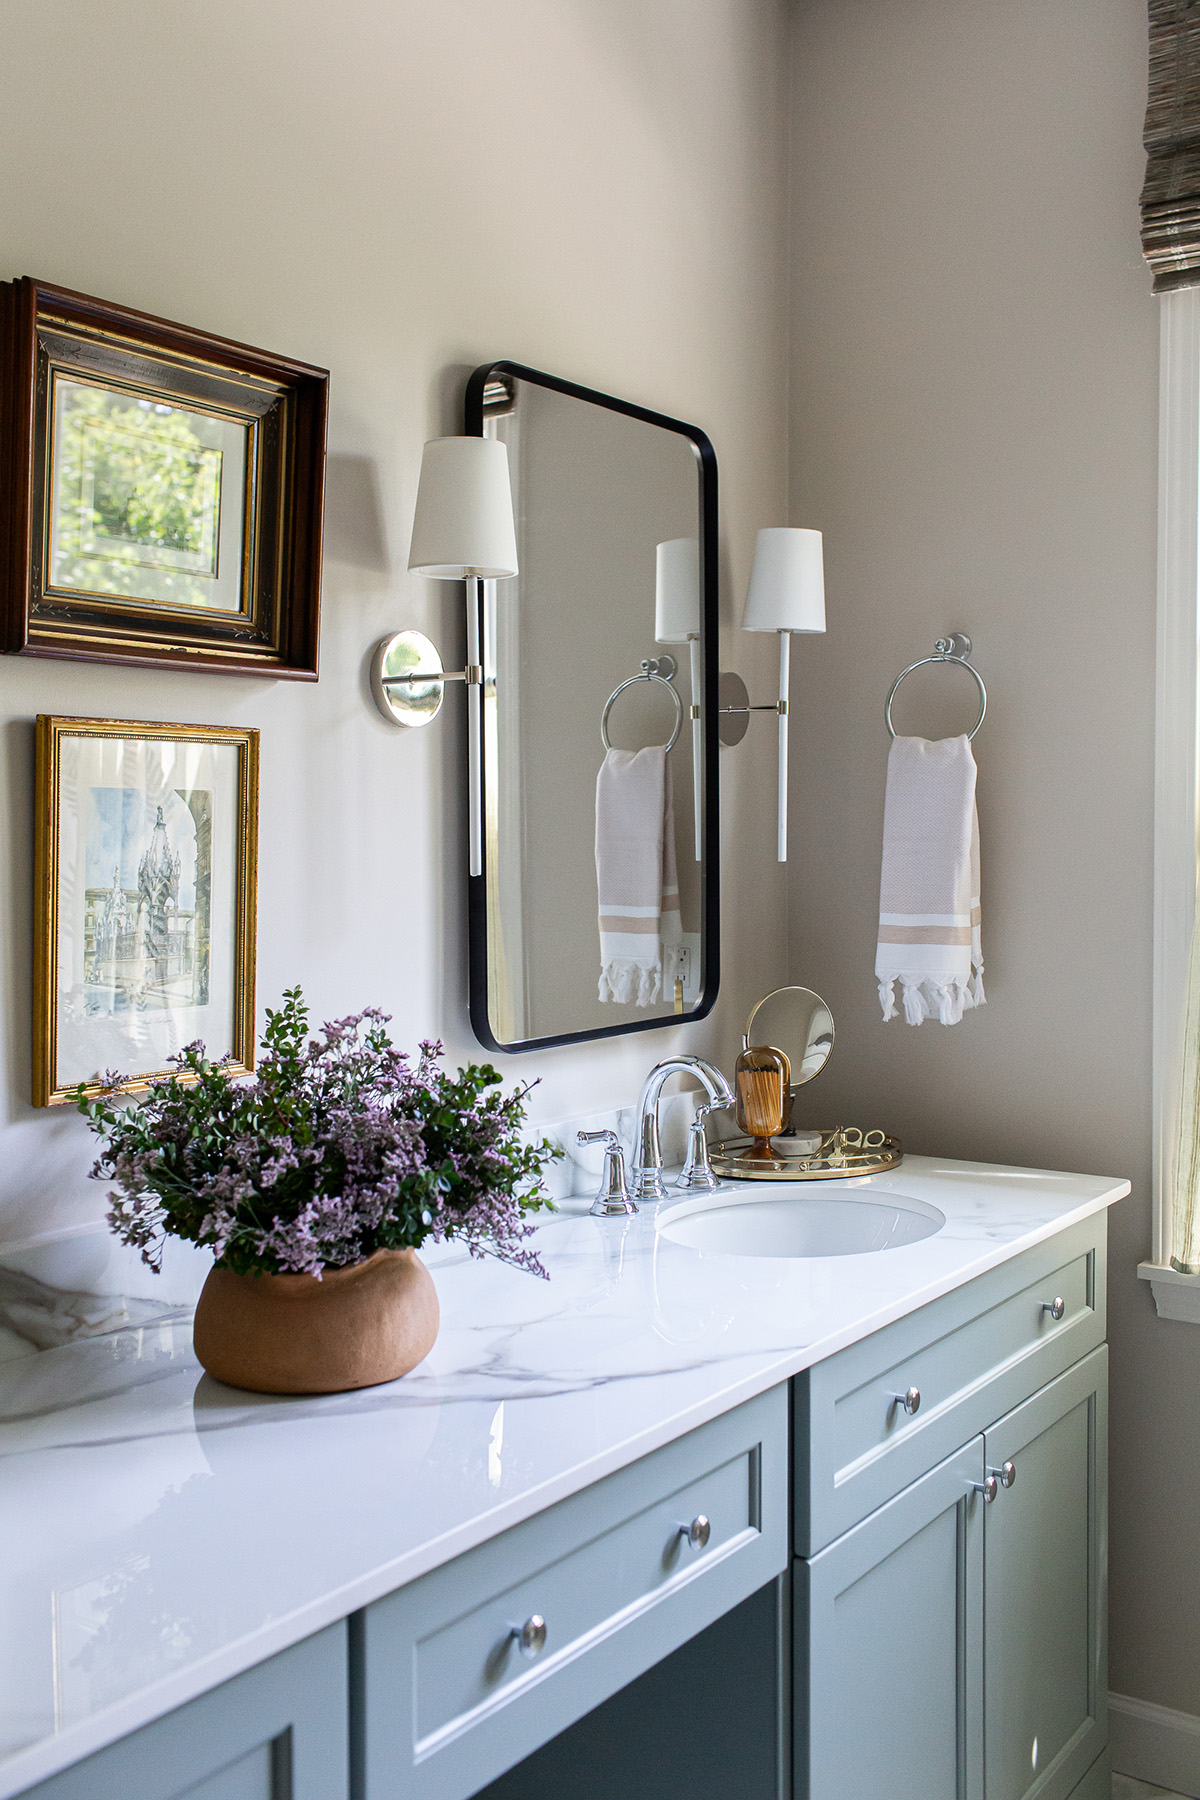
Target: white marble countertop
<point x="162" y="1533"/>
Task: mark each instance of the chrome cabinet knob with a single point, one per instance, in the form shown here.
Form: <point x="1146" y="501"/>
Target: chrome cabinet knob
<point x="1056" y="1307"/>
<point x="1006" y="1474"/>
<point x="697" y="1533"/>
<point x="910" y="1400"/>
<point x="531" y="1636"/>
<point x="988" y="1488"/>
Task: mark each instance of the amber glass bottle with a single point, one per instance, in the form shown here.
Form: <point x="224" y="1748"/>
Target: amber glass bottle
<point x="762" y="1079"/>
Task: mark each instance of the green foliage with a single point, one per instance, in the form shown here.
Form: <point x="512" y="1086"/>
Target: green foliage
<point x="336" y="1149"/>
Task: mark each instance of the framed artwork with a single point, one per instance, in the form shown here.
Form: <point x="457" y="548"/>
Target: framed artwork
<point x="144" y="905"/>
<point x="163" y="491"/>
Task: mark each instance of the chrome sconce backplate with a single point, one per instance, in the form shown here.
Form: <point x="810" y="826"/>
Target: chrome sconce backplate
<point x="734" y="709"/>
<point x="407" y="678"/>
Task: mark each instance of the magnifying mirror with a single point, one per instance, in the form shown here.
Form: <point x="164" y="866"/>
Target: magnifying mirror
<point x="798" y="1022"/>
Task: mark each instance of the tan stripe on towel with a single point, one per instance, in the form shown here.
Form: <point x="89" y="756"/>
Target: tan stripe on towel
<point x="623" y="922"/>
<point x="925" y="934"/>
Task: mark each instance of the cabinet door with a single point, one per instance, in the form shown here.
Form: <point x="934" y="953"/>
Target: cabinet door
<point x="888" y="1631"/>
<point x="1045" y="1564"/>
<point x="278" y="1732"/>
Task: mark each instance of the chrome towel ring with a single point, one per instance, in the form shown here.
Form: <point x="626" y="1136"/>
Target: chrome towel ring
<point x="649" y="673"/>
<point x="953" y="649"/>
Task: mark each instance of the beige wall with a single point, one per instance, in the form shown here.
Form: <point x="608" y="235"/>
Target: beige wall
<point x="398" y="191"/>
<point x="974" y="426"/>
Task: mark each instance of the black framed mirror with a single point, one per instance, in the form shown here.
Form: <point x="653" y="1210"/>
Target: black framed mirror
<point x="597" y="909"/>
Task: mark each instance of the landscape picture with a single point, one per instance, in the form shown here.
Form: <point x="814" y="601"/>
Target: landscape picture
<point x="140" y="492"/>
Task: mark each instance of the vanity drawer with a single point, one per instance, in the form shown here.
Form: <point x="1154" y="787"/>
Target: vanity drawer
<point x="971" y="1356"/>
<point x="448" y="1698"/>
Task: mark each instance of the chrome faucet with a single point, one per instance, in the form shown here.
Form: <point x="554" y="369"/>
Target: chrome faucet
<point x="614" y="1197"/>
<point x="697" y="1170"/>
<point x="647" y="1176"/>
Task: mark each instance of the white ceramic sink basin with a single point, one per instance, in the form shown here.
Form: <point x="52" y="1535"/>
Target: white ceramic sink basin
<point x="847" y="1222"/>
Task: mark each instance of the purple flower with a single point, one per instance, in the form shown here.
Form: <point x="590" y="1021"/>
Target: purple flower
<point x="338" y="1147"/>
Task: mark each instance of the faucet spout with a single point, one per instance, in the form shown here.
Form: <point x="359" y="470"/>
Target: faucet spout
<point x="648" y="1183"/>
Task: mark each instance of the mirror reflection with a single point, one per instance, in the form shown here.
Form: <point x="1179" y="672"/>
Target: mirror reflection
<point x="798" y="1022"/>
<point x="589" y="917"/>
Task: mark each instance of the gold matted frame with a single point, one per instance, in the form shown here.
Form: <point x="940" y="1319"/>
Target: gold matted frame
<point x="240" y="891"/>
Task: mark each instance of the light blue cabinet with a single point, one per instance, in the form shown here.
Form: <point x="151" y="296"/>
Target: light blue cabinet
<point x="889" y="1647"/>
<point x="946" y="1583"/>
<point x="278" y="1732"/>
<point x="951" y="1644"/>
<point x="464" y="1673"/>
<point x="1045" y="1558"/>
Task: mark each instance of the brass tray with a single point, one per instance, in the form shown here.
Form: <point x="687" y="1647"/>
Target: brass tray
<point x="841" y="1153"/>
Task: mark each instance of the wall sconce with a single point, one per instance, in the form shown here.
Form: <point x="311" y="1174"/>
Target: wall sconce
<point x="462" y="531"/>
<point x="677" y="621"/>
<point x="786" y="594"/>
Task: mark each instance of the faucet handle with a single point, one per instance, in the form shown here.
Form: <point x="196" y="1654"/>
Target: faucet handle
<point x="614" y="1197"/>
<point x="697" y="1170"/>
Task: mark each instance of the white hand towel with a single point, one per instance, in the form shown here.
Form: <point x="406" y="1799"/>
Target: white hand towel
<point x="929" y="918"/>
<point x="640" y="934"/>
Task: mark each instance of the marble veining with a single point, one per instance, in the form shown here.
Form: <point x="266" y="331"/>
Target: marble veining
<point x="163" y="1532"/>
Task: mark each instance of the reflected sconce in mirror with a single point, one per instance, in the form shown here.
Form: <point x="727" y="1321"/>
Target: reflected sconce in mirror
<point x="786" y="594"/>
<point x="677" y="621"/>
<point x="463" y="530"/>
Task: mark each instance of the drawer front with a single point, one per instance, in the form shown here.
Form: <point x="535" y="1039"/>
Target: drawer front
<point x="450" y="1696"/>
<point x="971" y="1355"/>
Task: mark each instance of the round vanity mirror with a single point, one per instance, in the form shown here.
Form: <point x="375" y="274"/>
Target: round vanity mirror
<point x="798" y="1022"/>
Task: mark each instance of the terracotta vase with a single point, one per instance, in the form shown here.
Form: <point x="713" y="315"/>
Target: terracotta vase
<point x="293" y="1334"/>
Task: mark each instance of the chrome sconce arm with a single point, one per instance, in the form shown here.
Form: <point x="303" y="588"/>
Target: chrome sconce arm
<point x="463" y="530"/>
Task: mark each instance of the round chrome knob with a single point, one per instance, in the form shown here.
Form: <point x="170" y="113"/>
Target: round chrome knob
<point x="1056" y="1307"/>
<point x="910" y="1400"/>
<point x="1006" y="1474"/>
<point x="531" y="1636"/>
<point x="697" y="1533"/>
<point x="987" y="1488"/>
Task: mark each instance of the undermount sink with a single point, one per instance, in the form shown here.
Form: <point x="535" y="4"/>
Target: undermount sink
<point x="846" y="1223"/>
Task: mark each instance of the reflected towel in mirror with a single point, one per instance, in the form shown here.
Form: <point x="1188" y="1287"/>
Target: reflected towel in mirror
<point x="640" y="932"/>
<point x="929" y="916"/>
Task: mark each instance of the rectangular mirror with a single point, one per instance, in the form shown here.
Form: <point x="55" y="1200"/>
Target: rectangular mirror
<point x="597" y="908"/>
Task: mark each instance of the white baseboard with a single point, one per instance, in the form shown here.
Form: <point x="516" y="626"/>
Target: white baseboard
<point x="1155" y="1744"/>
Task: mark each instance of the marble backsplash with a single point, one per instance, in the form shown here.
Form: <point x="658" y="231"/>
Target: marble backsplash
<point x="77" y="1282"/>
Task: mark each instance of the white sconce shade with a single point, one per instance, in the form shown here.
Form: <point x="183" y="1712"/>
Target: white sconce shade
<point x="463" y="525"/>
<point x="677" y="591"/>
<point x="786" y="594"/>
<point x="787" y="582"/>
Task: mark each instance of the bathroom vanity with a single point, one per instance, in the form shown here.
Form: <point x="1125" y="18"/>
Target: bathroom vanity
<point x="876" y="1481"/>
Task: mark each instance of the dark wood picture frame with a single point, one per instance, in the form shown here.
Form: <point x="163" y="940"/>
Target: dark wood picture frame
<point x="276" y="409"/>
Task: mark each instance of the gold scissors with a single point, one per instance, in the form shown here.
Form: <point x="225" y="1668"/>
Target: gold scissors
<point x="850" y="1137"/>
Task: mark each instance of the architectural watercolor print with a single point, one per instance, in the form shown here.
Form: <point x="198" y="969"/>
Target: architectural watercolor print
<point x="144" y="923"/>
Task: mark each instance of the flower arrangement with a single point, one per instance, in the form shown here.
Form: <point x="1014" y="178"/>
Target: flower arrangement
<point x="337" y="1147"/>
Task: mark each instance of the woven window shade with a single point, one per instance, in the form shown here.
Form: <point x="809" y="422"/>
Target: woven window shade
<point x="1171" y="196"/>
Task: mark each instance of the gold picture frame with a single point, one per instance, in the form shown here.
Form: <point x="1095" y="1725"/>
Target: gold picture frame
<point x="129" y="968"/>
